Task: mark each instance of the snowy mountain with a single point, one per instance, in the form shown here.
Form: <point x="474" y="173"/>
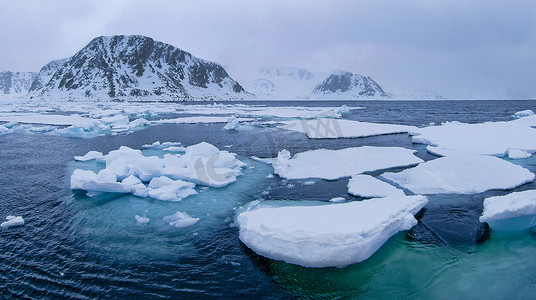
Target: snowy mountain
<point x="15" y="83"/>
<point x="409" y="93"/>
<point x="127" y="67"/>
<point x="287" y="83"/>
<point x="346" y="85"/>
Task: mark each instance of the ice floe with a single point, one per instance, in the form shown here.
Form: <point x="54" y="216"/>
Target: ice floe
<point x="141" y="220"/>
<point x="332" y="235"/>
<point x="334" y="164"/>
<point x="231" y="124"/>
<point x="523" y="113"/>
<point x="200" y="120"/>
<point x="12" y="221"/>
<point x="491" y="138"/>
<point x="461" y="174"/>
<point x="514" y="211"/>
<point x="180" y="220"/>
<point x="367" y="186"/>
<point x="171" y="177"/>
<point x="336" y="128"/>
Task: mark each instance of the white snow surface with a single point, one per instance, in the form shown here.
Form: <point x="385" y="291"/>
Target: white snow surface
<point x="180" y="220"/>
<point x="334" y="164"/>
<point x="332" y="235"/>
<point x="490" y="138"/>
<point x="12" y="221"/>
<point x="336" y="128"/>
<point x="523" y="113"/>
<point x="513" y="205"/>
<point x="369" y="187"/>
<point x="461" y="174"/>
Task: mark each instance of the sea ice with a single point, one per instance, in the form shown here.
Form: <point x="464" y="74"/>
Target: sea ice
<point x="89" y="156"/>
<point x="180" y="220"/>
<point x="231" y="124"/>
<point x="166" y="189"/>
<point x="12" y="221"/>
<point x="141" y="220"/>
<point x="103" y="181"/>
<point x="461" y="174"/>
<point x="523" y="113"/>
<point x="334" y="164"/>
<point x="517" y="154"/>
<point x="491" y="138"/>
<point x="337" y="199"/>
<point x="514" y="211"/>
<point x="332" y="235"/>
<point x="336" y="128"/>
<point x="369" y="187"/>
<point x="3" y="129"/>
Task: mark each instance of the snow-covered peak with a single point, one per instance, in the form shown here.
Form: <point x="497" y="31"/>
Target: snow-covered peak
<point x="135" y="66"/>
<point x="347" y="85"/>
<point x="15" y="83"/>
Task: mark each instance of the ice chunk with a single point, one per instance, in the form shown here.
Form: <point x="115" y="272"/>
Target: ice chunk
<point x="332" y="235"/>
<point x="343" y="110"/>
<point x="180" y="220"/>
<point x="461" y="174"/>
<point x="3" y="129"/>
<point x="141" y="220"/>
<point x="89" y="156"/>
<point x="368" y="187"/>
<point x="166" y="189"/>
<point x="12" y="221"/>
<point x="514" y="211"/>
<point x="523" y="113"/>
<point x="201" y="120"/>
<point x="231" y="124"/>
<point x="334" y="164"/>
<point x="491" y="138"/>
<point x="517" y="154"/>
<point x="337" y="199"/>
<point x="104" y="181"/>
<point x="335" y="128"/>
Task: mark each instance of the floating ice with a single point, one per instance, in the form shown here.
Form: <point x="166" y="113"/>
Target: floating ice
<point x="141" y="220"/>
<point x="461" y="174"/>
<point x="337" y="199"/>
<point x="180" y="220"/>
<point x="231" y="124"/>
<point x="334" y="164"/>
<point x="200" y="120"/>
<point x="517" y="154"/>
<point x="3" y="129"/>
<point x="166" y="189"/>
<point x="126" y="170"/>
<point x="89" y="156"/>
<point x="12" y="221"/>
<point x="332" y="235"/>
<point x="103" y="181"/>
<point x="514" y="211"/>
<point x="491" y="138"/>
<point x="158" y="145"/>
<point x="336" y="128"/>
<point x="368" y="187"/>
<point x="523" y="113"/>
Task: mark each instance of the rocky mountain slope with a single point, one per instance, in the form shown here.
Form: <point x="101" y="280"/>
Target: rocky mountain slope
<point x="15" y="84"/>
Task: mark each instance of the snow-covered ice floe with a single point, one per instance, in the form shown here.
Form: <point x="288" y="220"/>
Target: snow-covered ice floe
<point x="200" y="120"/>
<point x="141" y="220"/>
<point x="336" y="128"/>
<point x="461" y="174"/>
<point x="332" y="235"/>
<point x="171" y="178"/>
<point x="523" y="113"/>
<point x="12" y="221"/>
<point x="515" y="211"/>
<point x="367" y="186"/>
<point x="334" y="164"/>
<point x="491" y="138"/>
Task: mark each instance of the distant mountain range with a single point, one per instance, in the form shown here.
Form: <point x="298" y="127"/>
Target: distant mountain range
<point x="139" y="68"/>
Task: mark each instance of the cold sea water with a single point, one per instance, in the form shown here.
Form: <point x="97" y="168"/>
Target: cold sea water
<point x="74" y="246"/>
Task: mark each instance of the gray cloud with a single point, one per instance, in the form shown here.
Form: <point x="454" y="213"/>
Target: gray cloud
<point x="460" y="49"/>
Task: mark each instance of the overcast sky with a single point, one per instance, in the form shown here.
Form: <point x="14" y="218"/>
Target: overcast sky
<point x="457" y="48"/>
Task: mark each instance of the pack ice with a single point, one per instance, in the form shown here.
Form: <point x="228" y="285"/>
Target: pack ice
<point x="368" y="187"/>
<point x="170" y="178"/>
<point x="490" y="138"/>
<point x="12" y="221"/>
<point x="334" y="164"/>
<point x="336" y="128"/>
<point x="332" y="235"/>
<point x="514" y="211"/>
<point x="461" y="174"/>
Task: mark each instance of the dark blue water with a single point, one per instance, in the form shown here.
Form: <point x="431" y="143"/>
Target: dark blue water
<point x="79" y="247"/>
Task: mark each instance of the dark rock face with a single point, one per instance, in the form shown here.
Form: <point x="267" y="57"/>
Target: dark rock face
<point x="354" y="84"/>
<point x="16" y="83"/>
<point x="137" y="66"/>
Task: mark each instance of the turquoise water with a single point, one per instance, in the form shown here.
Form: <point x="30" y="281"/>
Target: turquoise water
<point x="80" y="247"/>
